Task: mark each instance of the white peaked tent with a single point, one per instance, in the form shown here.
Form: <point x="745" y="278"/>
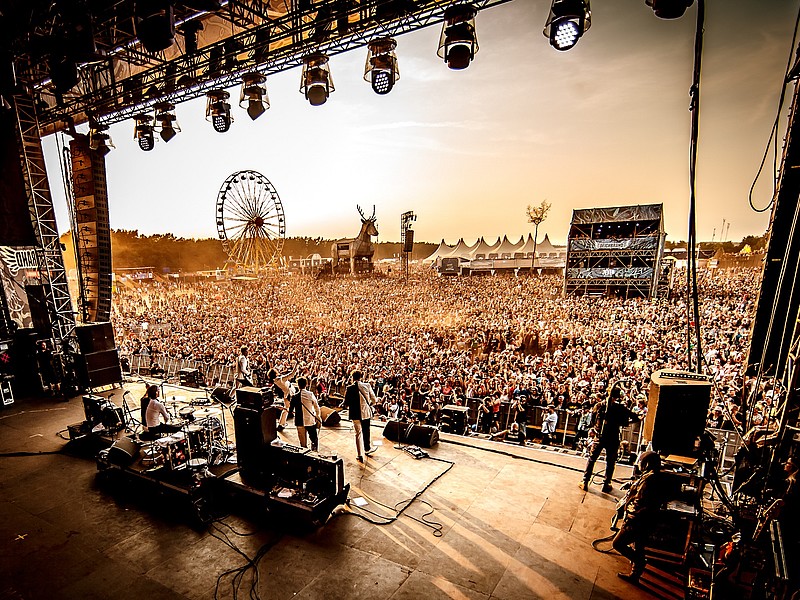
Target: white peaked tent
<point x="543" y="247"/>
<point x="443" y="250"/>
<point x="509" y="248"/>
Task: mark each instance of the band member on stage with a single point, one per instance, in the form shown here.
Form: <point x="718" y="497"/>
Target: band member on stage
<point x="283" y="389"/>
<point x="307" y="415"/>
<point x="641" y="506"/>
<point x="611" y="416"/>
<point x="243" y="374"/>
<point x="154" y="409"/>
<point x="359" y="399"/>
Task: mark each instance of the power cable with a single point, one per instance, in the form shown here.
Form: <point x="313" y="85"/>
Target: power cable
<point x="773" y="135"/>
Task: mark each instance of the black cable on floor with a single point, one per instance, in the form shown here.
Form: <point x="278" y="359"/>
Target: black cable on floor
<point x="40" y="453"/>
<point x="437" y="527"/>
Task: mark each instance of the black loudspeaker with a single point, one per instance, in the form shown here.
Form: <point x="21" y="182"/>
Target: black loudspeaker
<point x="330" y="417"/>
<point x="97" y="369"/>
<point x="254" y="430"/>
<point x="408" y="244"/>
<point x="190" y="378"/>
<point x="222" y="395"/>
<point x="16" y="228"/>
<point x="424" y="436"/>
<point x="38" y="306"/>
<point x="676" y="411"/>
<point x="97" y="337"/>
<point x="252" y="397"/>
<point x="123" y="452"/>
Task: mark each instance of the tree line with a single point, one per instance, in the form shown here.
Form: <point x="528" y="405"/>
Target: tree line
<point x="167" y="253"/>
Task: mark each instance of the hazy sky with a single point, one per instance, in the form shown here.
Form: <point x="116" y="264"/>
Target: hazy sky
<point x="604" y="124"/>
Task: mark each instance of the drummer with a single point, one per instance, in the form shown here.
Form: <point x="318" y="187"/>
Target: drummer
<point x="154" y="410"/>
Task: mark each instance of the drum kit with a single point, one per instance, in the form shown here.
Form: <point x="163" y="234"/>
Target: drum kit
<point x="199" y="439"/>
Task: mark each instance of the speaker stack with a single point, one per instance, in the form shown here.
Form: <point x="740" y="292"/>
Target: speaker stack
<point x="676" y="411"/>
<point x="98" y="364"/>
<point x="255" y="429"/>
<point x="424" y="436"/>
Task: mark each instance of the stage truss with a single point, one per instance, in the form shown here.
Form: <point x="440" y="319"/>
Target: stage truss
<point x="250" y="221"/>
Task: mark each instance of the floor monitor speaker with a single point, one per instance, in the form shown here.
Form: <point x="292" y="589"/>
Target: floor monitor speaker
<point x="424" y="436"/>
<point x="123" y="452"/>
<point x="330" y="417"/>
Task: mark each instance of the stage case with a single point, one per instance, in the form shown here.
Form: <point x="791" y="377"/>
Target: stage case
<point x="616" y="250"/>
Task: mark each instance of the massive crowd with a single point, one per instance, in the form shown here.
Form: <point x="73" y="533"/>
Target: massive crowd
<point x="435" y="341"/>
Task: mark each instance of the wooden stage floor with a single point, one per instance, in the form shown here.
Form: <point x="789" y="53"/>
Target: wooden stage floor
<point x="505" y="522"/>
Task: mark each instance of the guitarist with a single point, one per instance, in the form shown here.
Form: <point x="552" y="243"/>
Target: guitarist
<point x="642" y="503"/>
<point x="611" y="416"/>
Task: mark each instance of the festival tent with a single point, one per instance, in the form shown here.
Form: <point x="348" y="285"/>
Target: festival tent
<point x="484" y="249"/>
<point x="507" y="248"/>
<point x="543" y="248"/>
<point x="443" y="250"/>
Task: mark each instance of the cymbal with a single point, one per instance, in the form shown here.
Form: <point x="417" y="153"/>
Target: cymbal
<point x="202" y="413"/>
<point x="175" y="400"/>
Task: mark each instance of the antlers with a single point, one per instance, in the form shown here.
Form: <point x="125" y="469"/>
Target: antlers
<point x="361" y="212"/>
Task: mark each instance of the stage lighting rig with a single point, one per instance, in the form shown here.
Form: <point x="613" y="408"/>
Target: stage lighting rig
<point x="458" y="42"/>
<point x="167" y="121"/>
<point x="218" y="111"/>
<point x="143" y="132"/>
<point x="669" y="9"/>
<point x="381" y="68"/>
<point x="568" y="21"/>
<point x="155" y="24"/>
<point x="316" y="82"/>
<point x="254" y="94"/>
<point x="99" y="140"/>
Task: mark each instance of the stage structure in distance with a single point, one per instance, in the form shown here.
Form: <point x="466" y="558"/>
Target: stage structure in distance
<point x="615" y="250"/>
<point x="354" y="255"/>
<point x="250" y="221"/>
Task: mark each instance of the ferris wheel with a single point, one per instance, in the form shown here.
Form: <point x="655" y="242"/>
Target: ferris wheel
<point x="250" y="221"/>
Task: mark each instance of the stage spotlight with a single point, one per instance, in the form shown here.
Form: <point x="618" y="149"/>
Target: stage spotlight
<point x="669" y="9"/>
<point x="99" y="140"/>
<point x="218" y="111"/>
<point x="316" y="82"/>
<point x="254" y="94"/>
<point x="189" y="30"/>
<point x="568" y="21"/>
<point x="381" y="68"/>
<point x="458" y="42"/>
<point x="155" y="24"/>
<point x="143" y="132"/>
<point x="167" y="121"/>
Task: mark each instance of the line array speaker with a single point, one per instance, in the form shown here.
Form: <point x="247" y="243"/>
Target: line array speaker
<point x="93" y="243"/>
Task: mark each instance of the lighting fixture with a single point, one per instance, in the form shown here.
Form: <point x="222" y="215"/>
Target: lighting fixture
<point x="381" y="68"/>
<point x="316" y="82"/>
<point x="99" y="140"/>
<point x="458" y="42"/>
<point x="155" y="24"/>
<point x="167" y="121"/>
<point x="669" y="9"/>
<point x="568" y="21"/>
<point x="143" y="132"/>
<point x="218" y="111"/>
<point x="190" y="30"/>
<point x="254" y="94"/>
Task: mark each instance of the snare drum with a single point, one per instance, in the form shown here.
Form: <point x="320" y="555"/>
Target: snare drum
<point x="186" y="413"/>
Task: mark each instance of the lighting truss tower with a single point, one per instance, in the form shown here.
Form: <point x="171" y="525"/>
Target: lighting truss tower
<point x="40" y="204"/>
